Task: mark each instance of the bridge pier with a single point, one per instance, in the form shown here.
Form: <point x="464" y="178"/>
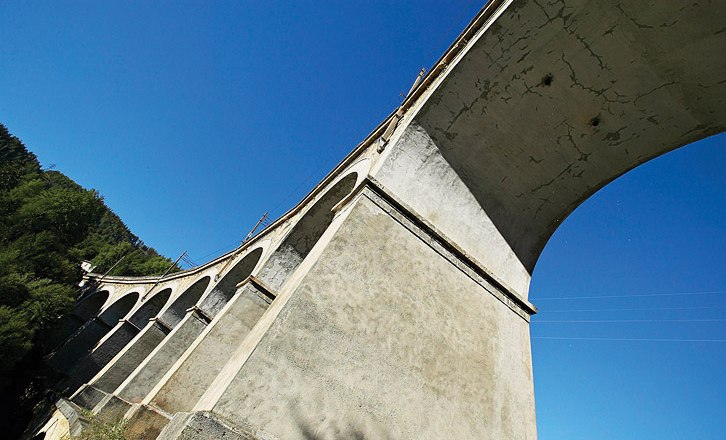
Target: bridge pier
<point x="188" y="379"/>
<point x="131" y="357"/>
<point x="77" y="345"/>
<point x="149" y="372"/>
<point x="382" y="326"/>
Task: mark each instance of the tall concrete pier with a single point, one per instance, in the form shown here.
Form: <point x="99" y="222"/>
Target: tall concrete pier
<point x="392" y="301"/>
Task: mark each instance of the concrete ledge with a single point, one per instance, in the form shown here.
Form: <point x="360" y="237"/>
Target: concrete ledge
<point x="77" y="422"/>
<point x="449" y="250"/>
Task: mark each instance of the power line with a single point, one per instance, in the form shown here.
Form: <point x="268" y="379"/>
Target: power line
<point x="715" y="292"/>
<point x="626" y="339"/>
<point x="230" y="246"/>
<point x="567" y="321"/>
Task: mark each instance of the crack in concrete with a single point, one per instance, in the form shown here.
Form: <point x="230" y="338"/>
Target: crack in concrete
<point x="631" y="19"/>
<point x="643" y="95"/>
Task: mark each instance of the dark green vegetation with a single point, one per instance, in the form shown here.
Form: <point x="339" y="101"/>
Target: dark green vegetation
<point x="48" y="225"/>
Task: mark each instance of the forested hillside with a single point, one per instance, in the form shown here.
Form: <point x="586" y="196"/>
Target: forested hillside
<point x="48" y="225"/>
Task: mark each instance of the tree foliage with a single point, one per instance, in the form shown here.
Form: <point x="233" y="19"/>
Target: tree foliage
<point x="48" y="225"/>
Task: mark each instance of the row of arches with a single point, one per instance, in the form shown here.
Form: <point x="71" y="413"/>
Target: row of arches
<point x="139" y="328"/>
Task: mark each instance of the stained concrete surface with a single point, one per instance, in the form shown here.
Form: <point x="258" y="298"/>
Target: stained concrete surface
<point x="65" y="357"/>
<point x="151" y="371"/>
<point x="132" y="357"/>
<point x="558" y="98"/>
<point x="109" y="347"/>
<point x="396" y="334"/>
<point x="207" y="357"/>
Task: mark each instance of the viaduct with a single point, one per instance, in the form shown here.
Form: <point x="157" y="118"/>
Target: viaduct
<point x="392" y="301"/>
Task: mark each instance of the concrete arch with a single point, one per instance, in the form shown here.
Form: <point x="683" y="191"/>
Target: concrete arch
<point x="360" y="168"/>
<point x="86" y="310"/>
<point x="66" y="357"/>
<point x="91" y="305"/>
<point x="119" y="308"/>
<point x="503" y="151"/>
<point x="610" y="106"/>
<point x="227" y="285"/>
<point x="306" y="232"/>
<point x="132" y="340"/>
<point x="187" y="299"/>
<point x="150" y="308"/>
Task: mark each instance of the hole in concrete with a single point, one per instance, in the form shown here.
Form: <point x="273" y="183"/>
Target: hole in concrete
<point x="547" y="80"/>
<point x="186" y="300"/>
<point x="595" y="121"/>
<point x="150" y="308"/>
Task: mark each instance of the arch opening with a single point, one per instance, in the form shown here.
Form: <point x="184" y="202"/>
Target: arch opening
<point x="86" y="309"/>
<point x="186" y="300"/>
<point x="89" y="307"/>
<point x="119" y="309"/>
<point x="227" y="286"/>
<point x="150" y="308"/>
<point x="66" y="357"/>
<point x="306" y="232"/>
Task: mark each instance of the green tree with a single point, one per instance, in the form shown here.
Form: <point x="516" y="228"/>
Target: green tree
<point x="48" y="225"/>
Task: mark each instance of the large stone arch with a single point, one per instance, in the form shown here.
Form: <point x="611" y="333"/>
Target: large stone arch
<point x="186" y="300"/>
<point x="223" y="291"/>
<point x="305" y="233"/>
<point x="545" y="105"/>
<point x="150" y="308"/>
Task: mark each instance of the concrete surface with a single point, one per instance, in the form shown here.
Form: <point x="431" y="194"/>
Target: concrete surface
<point x="203" y="361"/>
<point x="400" y="282"/>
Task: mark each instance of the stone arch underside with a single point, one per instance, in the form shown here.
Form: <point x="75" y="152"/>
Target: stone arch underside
<point x="226" y="287"/>
<point x="556" y="100"/>
<point x="66" y="357"/>
<point x="91" y="305"/>
<point x="85" y="310"/>
<point x="186" y="300"/>
<point x="121" y="331"/>
<point x="150" y="308"/>
<point x="306" y="232"/>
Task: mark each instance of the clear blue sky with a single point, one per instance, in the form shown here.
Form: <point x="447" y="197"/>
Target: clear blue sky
<point x="193" y="119"/>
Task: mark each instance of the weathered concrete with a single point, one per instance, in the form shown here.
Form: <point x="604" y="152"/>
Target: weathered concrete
<point x="375" y="289"/>
<point x="66" y="358"/>
<point x="128" y="360"/>
<point x="206" y="426"/>
<point x="83" y="340"/>
<point x="152" y="370"/>
<point x="401" y="280"/>
<point x="306" y="232"/>
<point x="104" y="351"/>
<point x="556" y="99"/>
<point x="146" y="423"/>
<point x="86" y="309"/>
<point x="199" y="366"/>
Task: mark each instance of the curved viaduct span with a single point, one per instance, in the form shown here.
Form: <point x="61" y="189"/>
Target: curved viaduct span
<point x="392" y="301"/>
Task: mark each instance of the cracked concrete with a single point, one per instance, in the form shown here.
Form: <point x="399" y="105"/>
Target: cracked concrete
<point x="400" y="282"/>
